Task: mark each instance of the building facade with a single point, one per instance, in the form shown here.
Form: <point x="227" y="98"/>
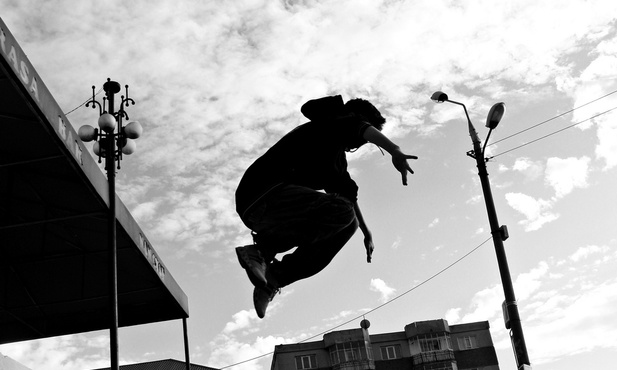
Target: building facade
<point x="424" y="345"/>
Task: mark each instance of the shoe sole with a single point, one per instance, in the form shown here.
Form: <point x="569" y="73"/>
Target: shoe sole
<point x="256" y="278"/>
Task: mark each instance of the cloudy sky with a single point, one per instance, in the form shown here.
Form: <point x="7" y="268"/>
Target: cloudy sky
<point x="217" y="82"/>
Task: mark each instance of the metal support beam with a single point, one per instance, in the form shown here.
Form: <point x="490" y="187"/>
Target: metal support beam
<point x="186" y="344"/>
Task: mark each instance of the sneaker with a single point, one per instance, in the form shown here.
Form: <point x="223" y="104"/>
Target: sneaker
<point x="262" y="296"/>
<point x="250" y="259"/>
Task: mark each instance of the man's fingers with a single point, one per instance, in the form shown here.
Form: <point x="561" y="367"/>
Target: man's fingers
<point x="404" y="173"/>
<point x="369" y="253"/>
<point x="402" y="166"/>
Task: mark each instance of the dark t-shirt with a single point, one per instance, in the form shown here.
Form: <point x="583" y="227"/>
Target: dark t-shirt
<point x="311" y="155"/>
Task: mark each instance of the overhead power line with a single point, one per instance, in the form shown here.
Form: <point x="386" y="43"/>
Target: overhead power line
<point x="374" y="309"/>
<point x="551" y="119"/>
<point x="553" y="133"/>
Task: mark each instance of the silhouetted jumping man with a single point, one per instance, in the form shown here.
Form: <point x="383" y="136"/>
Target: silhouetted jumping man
<point x="299" y="194"/>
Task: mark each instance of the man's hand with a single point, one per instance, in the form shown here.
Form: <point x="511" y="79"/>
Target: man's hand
<point x="368" y="244"/>
<point x="399" y="160"/>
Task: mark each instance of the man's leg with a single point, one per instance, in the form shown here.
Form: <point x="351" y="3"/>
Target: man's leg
<point x="318" y="224"/>
<point x="310" y="259"/>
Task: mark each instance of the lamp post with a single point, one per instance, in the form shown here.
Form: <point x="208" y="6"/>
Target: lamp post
<point x="111" y="141"/>
<point x="500" y="233"/>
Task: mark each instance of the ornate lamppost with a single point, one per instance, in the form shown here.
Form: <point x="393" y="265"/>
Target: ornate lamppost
<point x="112" y="140"/>
<point x="500" y="233"/>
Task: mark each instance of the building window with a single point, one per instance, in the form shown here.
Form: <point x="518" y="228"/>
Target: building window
<point x="350" y="351"/>
<point x="434" y="342"/>
<point x="430" y="345"/>
<point x="467" y="342"/>
<point x="306" y="362"/>
<point x="391" y="352"/>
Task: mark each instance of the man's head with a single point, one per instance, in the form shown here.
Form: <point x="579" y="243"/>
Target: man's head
<point x="367" y="111"/>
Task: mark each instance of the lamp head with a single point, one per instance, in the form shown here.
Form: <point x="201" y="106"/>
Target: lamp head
<point x="87" y="133"/>
<point x="97" y="148"/>
<point x="107" y="122"/>
<point x="495" y="115"/>
<point x="439" y="97"/>
<point x="133" y="130"/>
<point x="129" y="147"/>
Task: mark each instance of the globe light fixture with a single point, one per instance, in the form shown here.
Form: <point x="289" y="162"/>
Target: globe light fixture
<point x="107" y="122"/>
<point x="512" y="318"/>
<point x="133" y="130"/>
<point x="87" y="133"/>
<point x="96" y="148"/>
<point x="129" y="147"/>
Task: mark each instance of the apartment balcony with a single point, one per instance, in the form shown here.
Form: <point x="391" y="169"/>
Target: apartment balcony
<point x="433" y="356"/>
<point x="355" y="365"/>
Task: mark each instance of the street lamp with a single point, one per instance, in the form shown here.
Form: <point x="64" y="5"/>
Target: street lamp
<point x="111" y="141"/>
<point x="500" y="233"/>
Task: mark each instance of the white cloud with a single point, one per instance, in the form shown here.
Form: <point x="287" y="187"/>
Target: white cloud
<point x="563" y="175"/>
<point x="241" y="320"/>
<point x="528" y="283"/>
<point x="475" y="199"/>
<point x="596" y="80"/>
<point x="144" y="211"/>
<point x="380" y="286"/>
<point x="536" y="211"/>
<point x="566" y="174"/>
<point x="574" y="324"/>
<point x="397" y="243"/>
<point x="485" y="305"/>
<point x="249" y="356"/>
<point x="606" y="148"/>
<point x="232" y="345"/>
<point x="532" y="170"/>
<point x="584" y="252"/>
<point x="453" y="315"/>
<point x="72" y="352"/>
<point x="341" y="315"/>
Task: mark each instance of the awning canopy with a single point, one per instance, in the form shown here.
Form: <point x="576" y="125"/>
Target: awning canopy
<point x="53" y="224"/>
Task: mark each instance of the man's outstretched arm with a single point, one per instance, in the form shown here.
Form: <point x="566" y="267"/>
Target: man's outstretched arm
<point x="368" y="237"/>
<point x="399" y="159"/>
